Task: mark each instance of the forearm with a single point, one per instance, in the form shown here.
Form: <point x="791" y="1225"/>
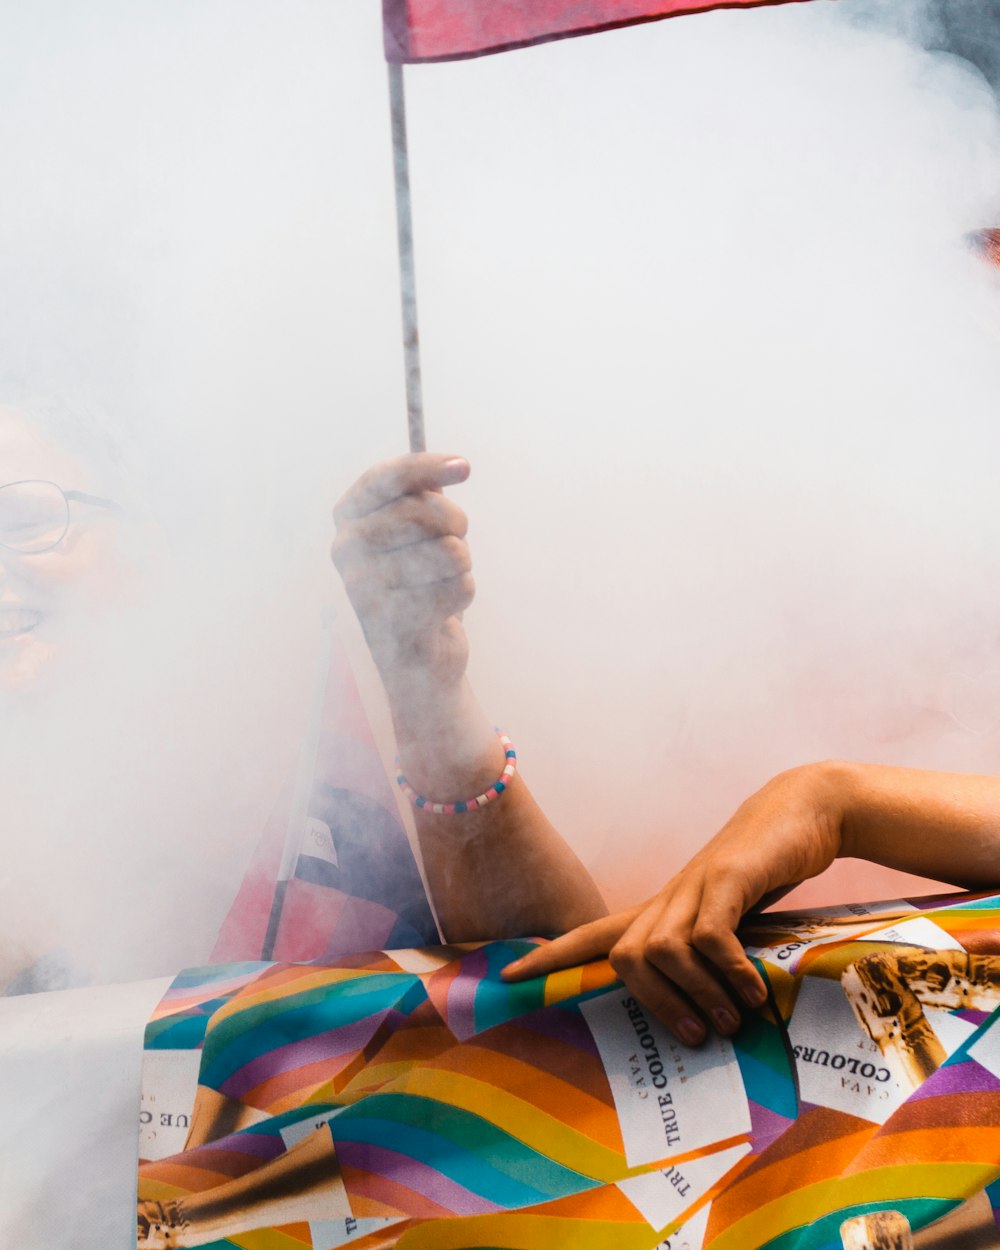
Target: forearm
<point x="499" y="871"/>
<point x="945" y="826"/>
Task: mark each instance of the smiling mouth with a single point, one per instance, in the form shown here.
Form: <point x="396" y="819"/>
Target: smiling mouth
<point x="17" y="621"/>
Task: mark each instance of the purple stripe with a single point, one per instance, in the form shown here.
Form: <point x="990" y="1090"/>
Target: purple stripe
<point x="381" y="1162"/>
<point x="967" y="1077"/>
<point x="331" y="1044"/>
<point x="766" y="1126"/>
<point x="462" y="995"/>
<point x="563" y="1025"/>
<point x="258" y="1145"/>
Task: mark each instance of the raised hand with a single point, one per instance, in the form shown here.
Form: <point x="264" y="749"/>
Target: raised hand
<point x="400" y="549"/>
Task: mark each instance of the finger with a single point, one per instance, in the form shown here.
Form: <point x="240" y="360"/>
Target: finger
<point x="419" y="564"/>
<point x="658" y="995"/>
<point x="404" y="475"/>
<point x="679" y="967"/>
<point x="402" y="614"/>
<point x="714" y="937"/>
<point x="580" y="946"/>
<point x="411" y="519"/>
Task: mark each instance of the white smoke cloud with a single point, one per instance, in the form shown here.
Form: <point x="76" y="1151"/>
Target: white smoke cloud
<point x="695" y="302"/>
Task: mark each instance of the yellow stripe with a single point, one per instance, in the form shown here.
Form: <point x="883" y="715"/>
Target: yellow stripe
<point x="562" y="985"/>
<point x="812" y="1202"/>
<point x="268" y="1239"/>
<point x="528" y="1232"/>
<point x="157" y="1191"/>
<point x="287" y="989"/>
<point x="538" y="1131"/>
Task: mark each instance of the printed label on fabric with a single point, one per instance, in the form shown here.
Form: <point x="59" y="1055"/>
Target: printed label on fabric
<point x="670" y="1099"/>
<point x="661" y="1197"/>
<point x="417" y="960"/>
<point x="986" y="1049"/>
<point x="821" y="926"/>
<point x="838" y="1065"/>
<point x="169" y="1086"/>
<point x="342" y="1227"/>
<point x="916" y="932"/>
<point x="317" y="841"/>
<point x="292" y="1134"/>
<point x="691" y="1235"/>
<point x="328" y="1234"/>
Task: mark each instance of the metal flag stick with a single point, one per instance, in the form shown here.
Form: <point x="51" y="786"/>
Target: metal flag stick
<point x="407" y="272"/>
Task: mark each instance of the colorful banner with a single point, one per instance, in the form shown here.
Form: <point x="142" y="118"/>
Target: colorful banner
<point x="444" y="30"/>
<point x="411" y="1098"/>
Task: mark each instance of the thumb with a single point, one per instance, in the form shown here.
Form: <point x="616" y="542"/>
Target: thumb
<point x="581" y="945"/>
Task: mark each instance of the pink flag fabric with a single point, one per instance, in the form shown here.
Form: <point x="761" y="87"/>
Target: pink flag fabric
<point x="353" y="878"/>
<point x="445" y="30"/>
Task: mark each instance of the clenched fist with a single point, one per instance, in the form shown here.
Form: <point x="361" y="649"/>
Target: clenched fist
<point x="400" y="549"/>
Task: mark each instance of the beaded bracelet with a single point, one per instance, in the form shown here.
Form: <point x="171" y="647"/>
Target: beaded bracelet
<point x="469" y="805"/>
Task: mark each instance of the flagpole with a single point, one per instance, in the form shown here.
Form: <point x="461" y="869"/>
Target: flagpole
<point x="407" y="272"/>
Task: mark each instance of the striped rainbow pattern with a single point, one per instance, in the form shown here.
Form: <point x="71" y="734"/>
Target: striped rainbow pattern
<point x="468" y="1114"/>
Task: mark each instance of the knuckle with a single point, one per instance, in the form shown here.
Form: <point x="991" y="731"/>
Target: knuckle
<point x="706" y="937"/>
<point x="456" y="551"/>
<point x="454" y="517"/>
<point x="664" y="947"/>
<point x="624" y="959"/>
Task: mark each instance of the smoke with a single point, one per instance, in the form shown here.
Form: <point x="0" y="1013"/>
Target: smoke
<point x="695" y="302"/>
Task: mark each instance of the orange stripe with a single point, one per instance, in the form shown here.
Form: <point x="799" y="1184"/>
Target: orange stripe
<point x="558" y="1098"/>
<point x="299" y="1082"/>
<point x="942" y="1144"/>
<point x="767" y="1181"/>
<point x="556" y="1058"/>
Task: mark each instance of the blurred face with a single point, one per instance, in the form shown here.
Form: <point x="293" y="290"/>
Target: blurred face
<point x="45" y="598"/>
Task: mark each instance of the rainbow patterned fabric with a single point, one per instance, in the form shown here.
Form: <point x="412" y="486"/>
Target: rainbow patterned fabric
<point x="411" y="1098"/>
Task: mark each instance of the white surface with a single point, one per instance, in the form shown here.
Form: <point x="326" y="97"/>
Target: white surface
<point x="70" y="1065"/>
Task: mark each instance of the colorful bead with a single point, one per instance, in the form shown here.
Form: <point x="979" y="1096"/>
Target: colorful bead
<point x="466" y="805"/>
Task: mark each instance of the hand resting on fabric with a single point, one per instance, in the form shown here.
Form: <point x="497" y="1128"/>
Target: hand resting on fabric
<point x="679" y="951"/>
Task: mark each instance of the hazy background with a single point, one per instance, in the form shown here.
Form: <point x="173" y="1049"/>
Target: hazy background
<point x="695" y="302"/>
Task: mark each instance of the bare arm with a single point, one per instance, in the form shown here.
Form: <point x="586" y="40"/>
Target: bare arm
<point x="400" y="548"/>
<point x="680" y="947"/>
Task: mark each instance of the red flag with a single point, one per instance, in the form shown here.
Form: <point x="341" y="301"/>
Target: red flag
<point x="444" y="30"/>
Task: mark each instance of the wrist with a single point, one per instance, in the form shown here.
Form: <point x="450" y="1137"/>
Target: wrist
<point x="835" y="786"/>
<point x="448" y="749"/>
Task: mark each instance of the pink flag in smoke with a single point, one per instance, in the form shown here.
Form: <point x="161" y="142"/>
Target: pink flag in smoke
<point x="442" y="30"/>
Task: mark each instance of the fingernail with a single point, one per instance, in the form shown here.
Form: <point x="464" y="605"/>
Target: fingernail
<point x="689" y="1031"/>
<point x="724" y="1020"/>
<point x="456" y="469"/>
<point x="754" y="994"/>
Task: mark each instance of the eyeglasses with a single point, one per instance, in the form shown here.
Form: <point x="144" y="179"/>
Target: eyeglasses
<point x="34" y="516"/>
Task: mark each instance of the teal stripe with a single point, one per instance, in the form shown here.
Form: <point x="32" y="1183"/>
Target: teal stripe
<point x="769" y="1089"/>
<point x="185" y="1033"/>
<point x="824" y="1233"/>
<point x="463" y="1146"/>
<point x="992" y="903"/>
<point x="391" y="985"/>
<point x="228" y="1049"/>
<point x="961" y="1054"/>
<point x="496" y="1002"/>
